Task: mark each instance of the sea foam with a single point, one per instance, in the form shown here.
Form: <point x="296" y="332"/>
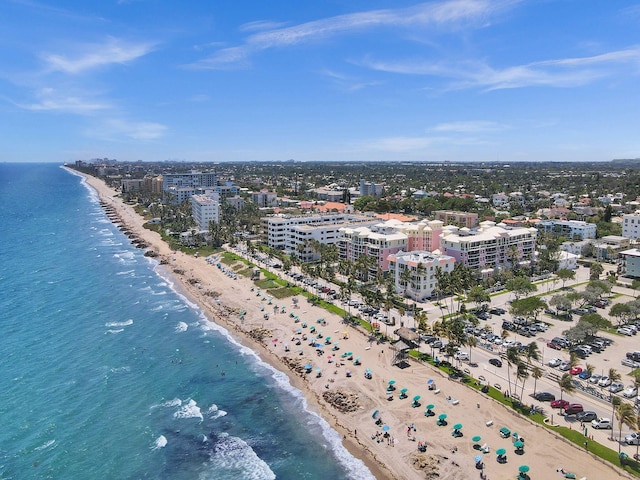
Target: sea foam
<point x="233" y="458"/>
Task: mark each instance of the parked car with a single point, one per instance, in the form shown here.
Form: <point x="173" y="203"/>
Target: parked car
<point x="586" y="416"/>
<point x="573" y="408"/>
<point x="630" y="392"/>
<point x="616" y="387"/>
<point x="555" y="362"/>
<point x="554" y="345"/>
<point x="584" y="375"/>
<point x="601" y="423"/>
<point x="462" y="356"/>
<point x="630" y="363"/>
<point x="575" y="370"/>
<point x="564" y="366"/>
<point x="595" y="378"/>
<point x="632" y="439"/>
<point x="545" y="397"/>
<point x="559" y="403"/>
<point x="605" y="381"/>
<point x="625" y="331"/>
<point x="495" y="362"/>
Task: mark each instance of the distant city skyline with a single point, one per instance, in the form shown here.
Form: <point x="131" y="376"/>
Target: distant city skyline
<point x="457" y="80"/>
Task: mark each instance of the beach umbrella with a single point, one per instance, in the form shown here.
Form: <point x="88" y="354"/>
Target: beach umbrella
<point x="518" y="444"/>
<point x="385" y="428"/>
<point x="523" y="468"/>
<point x="375" y="414"/>
<point x="308" y="366"/>
<point x="457" y="426"/>
<point x="392" y="382"/>
<point x="404" y="390"/>
<point x="476" y="439"/>
<point x="501" y="451"/>
<point x="478" y="458"/>
<point x="318" y="370"/>
<point x="416" y="398"/>
<point x="430" y="381"/>
<point x="442" y="416"/>
<point x="431" y="406"/>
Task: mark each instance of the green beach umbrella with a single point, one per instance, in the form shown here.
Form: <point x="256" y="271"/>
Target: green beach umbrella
<point x="442" y="416"/>
<point x="431" y="406"/>
<point x="392" y="382"/>
<point x="518" y="444"/>
<point x="523" y="468"/>
<point x="416" y="398"/>
<point x="457" y="426"/>
<point x="476" y="439"/>
<point x="404" y="390"/>
<point x="501" y="451"/>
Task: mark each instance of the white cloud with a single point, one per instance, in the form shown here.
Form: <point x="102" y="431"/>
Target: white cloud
<point x="91" y="56"/>
<point x="260" y="25"/>
<point x="54" y="101"/>
<point x="448" y="12"/>
<point x="567" y="72"/>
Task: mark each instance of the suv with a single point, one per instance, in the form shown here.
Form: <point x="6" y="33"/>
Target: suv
<point x="632" y="439"/>
<point x="573" y="408"/>
<point x="601" y="423"/>
<point x="588" y="416"/>
<point x="616" y="387"/>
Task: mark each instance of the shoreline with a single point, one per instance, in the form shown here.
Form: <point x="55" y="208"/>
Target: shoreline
<point x="446" y="457"/>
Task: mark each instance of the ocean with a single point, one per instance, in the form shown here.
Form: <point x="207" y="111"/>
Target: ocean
<point x="107" y="372"/>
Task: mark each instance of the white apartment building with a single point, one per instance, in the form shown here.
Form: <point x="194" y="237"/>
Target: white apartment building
<point x="631" y="225"/>
<point x="631" y="266"/>
<point x="205" y="209"/>
<point x="192" y="179"/>
<point x="489" y="246"/>
<point x="571" y="229"/>
<point x="292" y="233"/>
<point x="421" y="281"/>
<point x="264" y="198"/>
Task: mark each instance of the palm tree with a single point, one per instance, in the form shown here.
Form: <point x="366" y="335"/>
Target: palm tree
<point x="536" y="373"/>
<point x="615" y="402"/>
<point x="626" y="415"/>
<point x="522" y="373"/>
<point x="590" y="368"/>
<point x="513" y="358"/>
<point x="566" y="384"/>
<point x="636" y="426"/>
<point x="471" y="342"/>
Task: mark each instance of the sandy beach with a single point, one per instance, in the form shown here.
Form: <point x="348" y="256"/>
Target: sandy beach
<point x="337" y="389"/>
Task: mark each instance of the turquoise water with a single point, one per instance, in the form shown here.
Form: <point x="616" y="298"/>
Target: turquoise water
<point x="107" y="372"/>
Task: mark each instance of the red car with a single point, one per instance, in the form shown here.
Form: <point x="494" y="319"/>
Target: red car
<point x="559" y="404"/>
<point x="554" y="345"/>
<point x="575" y="370"/>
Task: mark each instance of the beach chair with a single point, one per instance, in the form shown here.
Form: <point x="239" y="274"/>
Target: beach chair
<point x="485" y="448"/>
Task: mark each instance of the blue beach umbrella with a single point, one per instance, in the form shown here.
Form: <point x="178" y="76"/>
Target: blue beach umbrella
<point x="385" y="428"/>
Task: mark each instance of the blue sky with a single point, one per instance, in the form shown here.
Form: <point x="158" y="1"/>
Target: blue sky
<point x="334" y="80"/>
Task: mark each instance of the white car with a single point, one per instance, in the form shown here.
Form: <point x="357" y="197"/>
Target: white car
<point x="604" y="381"/>
<point x="555" y="362"/>
<point x="632" y="439"/>
<point x="462" y="356"/>
<point x="595" y="378"/>
<point x="564" y="366"/>
<point x="630" y="392"/>
<point x="601" y="423"/>
<point x="625" y="331"/>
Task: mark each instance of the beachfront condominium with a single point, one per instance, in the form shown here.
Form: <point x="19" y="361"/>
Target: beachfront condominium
<point x="414" y="273"/>
<point x="294" y="234"/>
<point x="192" y="179"/>
<point x="570" y="229"/>
<point x="489" y="245"/>
<point x="377" y="241"/>
<point x="205" y="209"/>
